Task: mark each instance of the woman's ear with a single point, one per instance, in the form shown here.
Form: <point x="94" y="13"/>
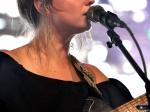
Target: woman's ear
<point x="38" y="5"/>
<point x="39" y="8"/>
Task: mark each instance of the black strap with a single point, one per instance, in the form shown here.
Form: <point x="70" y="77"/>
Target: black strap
<point x="87" y="76"/>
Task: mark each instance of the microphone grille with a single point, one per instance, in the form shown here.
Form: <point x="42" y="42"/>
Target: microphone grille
<point x="90" y="13"/>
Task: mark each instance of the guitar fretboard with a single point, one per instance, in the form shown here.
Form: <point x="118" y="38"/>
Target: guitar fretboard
<point x="131" y="105"/>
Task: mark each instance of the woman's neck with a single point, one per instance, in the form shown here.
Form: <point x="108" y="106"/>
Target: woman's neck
<point x="56" y="48"/>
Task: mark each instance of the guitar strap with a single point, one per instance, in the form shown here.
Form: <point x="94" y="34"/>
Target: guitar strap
<point x="87" y="76"/>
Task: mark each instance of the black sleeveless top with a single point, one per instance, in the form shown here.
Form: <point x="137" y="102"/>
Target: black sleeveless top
<point x="24" y="91"/>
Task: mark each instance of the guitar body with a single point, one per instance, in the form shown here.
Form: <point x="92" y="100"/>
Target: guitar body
<point x="93" y="104"/>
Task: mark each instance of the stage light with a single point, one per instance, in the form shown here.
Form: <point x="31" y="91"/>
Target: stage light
<point x="2" y="23"/>
<point x="9" y="7"/>
<point x="139" y="16"/>
<point x="127" y="68"/>
<point x="97" y="57"/>
<point x="10" y="42"/>
<point x="97" y="54"/>
<point x="6" y="42"/>
<point x="128" y="5"/>
<point x="127" y="44"/>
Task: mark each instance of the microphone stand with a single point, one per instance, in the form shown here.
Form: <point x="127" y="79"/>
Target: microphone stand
<point x="115" y="39"/>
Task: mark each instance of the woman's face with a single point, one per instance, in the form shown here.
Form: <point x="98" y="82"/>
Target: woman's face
<point x="69" y="16"/>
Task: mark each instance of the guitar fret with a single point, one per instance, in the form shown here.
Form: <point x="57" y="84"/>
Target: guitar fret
<point x="123" y="109"/>
<point x="144" y="98"/>
<point x="139" y="100"/>
<point x="135" y="104"/>
<point x="131" y="105"/>
<point x="127" y="107"/>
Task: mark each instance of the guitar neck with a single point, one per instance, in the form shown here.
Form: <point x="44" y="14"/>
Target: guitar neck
<point x="131" y="105"/>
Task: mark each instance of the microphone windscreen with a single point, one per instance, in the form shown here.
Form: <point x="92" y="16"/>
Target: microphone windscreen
<point x="91" y="11"/>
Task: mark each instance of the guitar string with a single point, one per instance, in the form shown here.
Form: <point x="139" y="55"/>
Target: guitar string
<point x="127" y="107"/>
<point x="132" y="104"/>
<point x="136" y="104"/>
<point x="120" y="109"/>
<point x="138" y="100"/>
<point x="144" y="98"/>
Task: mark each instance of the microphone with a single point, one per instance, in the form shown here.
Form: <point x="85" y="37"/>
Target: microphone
<point x="108" y="19"/>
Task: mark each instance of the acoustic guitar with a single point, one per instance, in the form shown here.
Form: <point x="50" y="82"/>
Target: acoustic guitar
<point x="131" y="105"/>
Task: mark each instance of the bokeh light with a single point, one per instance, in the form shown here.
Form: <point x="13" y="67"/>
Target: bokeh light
<point x="2" y="24"/>
<point x="9" y="7"/>
<point x="139" y="16"/>
<point x="128" y="5"/>
<point x="127" y="44"/>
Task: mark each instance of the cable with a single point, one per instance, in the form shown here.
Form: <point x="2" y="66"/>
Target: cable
<point x="138" y="47"/>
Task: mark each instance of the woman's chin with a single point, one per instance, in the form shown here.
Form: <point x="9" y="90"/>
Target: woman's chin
<point x="88" y="27"/>
<point x="82" y="29"/>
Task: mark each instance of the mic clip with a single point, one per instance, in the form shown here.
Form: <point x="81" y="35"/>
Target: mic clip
<point x="109" y="44"/>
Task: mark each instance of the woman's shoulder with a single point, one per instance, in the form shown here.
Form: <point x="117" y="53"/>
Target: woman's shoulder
<point x="16" y="54"/>
<point x="6" y="62"/>
<point x="8" y="57"/>
<point x="5" y="51"/>
<point x="8" y="53"/>
<point x="97" y="74"/>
